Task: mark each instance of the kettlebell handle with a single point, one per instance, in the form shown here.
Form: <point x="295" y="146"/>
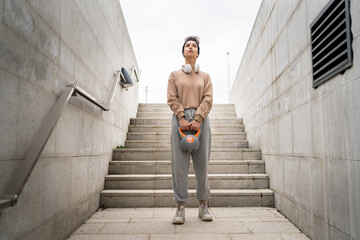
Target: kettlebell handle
<point x="183" y="135"/>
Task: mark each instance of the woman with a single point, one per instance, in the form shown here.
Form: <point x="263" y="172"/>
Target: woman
<point x="190" y="97"/>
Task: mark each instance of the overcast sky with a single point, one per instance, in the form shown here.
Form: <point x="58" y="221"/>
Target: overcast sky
<point x="157" y="30"/>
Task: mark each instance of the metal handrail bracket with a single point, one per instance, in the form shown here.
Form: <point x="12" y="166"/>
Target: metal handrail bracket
<point x="136" y="73"/>
<point x="7" y="201"/>
<point x="16" y="185"/>
<point x="110" y="96"/>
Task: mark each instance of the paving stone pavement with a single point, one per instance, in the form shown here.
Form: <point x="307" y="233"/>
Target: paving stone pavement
<point x="256" y="223"/>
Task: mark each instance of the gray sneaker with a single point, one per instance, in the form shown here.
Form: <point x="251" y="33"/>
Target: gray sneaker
<point x="179" y="216"/>
<point x="204" y="213"/>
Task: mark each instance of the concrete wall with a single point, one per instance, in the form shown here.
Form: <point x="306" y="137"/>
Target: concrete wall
<point x="309" y="137"/>
<point x="45" y="45"/>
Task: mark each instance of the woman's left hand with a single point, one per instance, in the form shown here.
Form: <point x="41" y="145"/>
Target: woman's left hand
<point x="194" y="125"/>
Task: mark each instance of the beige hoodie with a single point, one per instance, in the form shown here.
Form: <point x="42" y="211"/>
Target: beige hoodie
<point x="190" y="90"/>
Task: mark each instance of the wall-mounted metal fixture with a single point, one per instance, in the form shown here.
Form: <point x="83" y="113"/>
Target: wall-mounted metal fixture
<point x="331" y="41"/>
<point x="125" y="79"/>
<point x="135" y="73"/>
<point x="120" y="78"/>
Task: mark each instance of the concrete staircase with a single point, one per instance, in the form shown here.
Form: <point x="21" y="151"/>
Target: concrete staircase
<point x="140" y="173"/>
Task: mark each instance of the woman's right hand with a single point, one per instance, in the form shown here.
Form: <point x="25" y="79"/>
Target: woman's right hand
<point x="184" y="124"/>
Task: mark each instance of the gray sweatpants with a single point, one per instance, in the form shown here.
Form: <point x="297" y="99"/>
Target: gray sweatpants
<point x="180" y="162"/>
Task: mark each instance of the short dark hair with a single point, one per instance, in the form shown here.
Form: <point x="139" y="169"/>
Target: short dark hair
<point x="192" y="38"/>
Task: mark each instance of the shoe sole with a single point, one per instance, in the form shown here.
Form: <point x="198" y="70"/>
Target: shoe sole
<point x="205" y="219"/>
<point x="178" y="223"/>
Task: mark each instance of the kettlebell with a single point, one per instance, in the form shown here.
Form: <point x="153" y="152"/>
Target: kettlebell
<point x="189" y="143"/>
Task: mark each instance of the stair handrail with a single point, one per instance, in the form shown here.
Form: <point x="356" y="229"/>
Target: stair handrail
<point x="16" y="185"/>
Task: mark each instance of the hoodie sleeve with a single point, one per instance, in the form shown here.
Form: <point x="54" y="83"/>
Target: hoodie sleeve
<point x="173" y="98"/>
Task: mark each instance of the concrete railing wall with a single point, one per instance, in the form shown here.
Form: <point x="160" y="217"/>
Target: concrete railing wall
<point x="309" y="137"/>
<point x="45" y="45"/>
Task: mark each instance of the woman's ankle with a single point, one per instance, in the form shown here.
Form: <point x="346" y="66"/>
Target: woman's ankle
<point x="180" y="204"/>
<point x="202" y="202"/>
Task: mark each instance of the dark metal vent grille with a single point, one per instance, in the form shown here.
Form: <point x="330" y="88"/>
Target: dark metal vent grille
<point x="331" y="41"/>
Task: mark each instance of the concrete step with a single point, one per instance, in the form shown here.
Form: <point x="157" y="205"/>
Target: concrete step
<point x="140" y="174"/>
<point x="166" y="144"/>
<point x="165" y="107"/>
<point x="166" y="136"/>
<point x="168" y="114"/>
<point x="164" y="154"/>
<point x="167" y="121"/>
<point x="164" y="167"/>
<point x="116" y="198"/>
<point x="167" y="128"/>
<point x="164" y="181"/>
